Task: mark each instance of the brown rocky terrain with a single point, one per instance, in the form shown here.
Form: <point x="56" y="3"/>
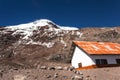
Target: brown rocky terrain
<point x="60" y="73"/>
<point x="56" y="48"/>
<point x="33" y="45"/>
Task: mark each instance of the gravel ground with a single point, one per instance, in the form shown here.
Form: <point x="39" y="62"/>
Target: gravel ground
<point x="111" y="73"/>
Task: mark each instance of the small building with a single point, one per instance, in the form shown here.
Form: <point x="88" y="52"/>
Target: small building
<point x="95" y="54"/>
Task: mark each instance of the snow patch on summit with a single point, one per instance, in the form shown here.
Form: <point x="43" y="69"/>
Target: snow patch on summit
<point x="68" y="28"/>
<point x="27" y="29"/>
<point x="31" y="25"/>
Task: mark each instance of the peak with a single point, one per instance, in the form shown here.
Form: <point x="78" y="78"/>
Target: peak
<point x="43" y="22"/>
<point x="39" y="23"/>
<point x="35" y="24"/>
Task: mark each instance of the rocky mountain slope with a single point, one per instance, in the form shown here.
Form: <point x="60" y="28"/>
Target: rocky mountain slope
<point x="36" y="42"/>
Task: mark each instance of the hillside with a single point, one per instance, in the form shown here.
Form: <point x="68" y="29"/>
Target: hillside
<point x="34" y="43"/>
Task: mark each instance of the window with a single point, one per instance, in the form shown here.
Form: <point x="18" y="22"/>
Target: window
<point x="97" y="61"/>
<point x="118" y="61"/>
<point x="101" y="61"/>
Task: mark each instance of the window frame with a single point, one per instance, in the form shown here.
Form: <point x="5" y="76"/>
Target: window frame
<point x="101" y="61"/>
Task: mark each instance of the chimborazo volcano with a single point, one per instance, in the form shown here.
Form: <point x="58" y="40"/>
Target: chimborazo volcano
<point x="33" y="43"/>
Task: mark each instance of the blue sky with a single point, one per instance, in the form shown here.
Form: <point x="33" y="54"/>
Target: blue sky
<point x="78" y="13"/>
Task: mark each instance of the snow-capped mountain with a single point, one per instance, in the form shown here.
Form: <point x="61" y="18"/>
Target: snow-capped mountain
<point x="43" y="27"/>
<point x="43" y="39"/>
<point x="42" y="22"/>
<point x="28" y="28"/>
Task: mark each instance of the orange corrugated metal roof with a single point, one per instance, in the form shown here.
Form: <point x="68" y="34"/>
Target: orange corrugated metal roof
<point x="99" y="47"/>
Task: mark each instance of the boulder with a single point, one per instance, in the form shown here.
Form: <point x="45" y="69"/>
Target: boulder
<point x="51" y="68"/>
<point x="66" y="68"/>
<point x="77" y="78"/>
<point x="71" y="68"/>
<point x="43" y="67"/>
<point x="59" y="68"/>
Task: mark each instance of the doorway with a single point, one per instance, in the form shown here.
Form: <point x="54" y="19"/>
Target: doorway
<point x="79" y="65"/>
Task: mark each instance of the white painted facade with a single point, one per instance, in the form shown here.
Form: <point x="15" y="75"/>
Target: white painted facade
<point x="85" y="59"/>
<point x="81" y="57"/>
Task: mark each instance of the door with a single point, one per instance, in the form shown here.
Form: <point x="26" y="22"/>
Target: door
<point x="79" y="65"/>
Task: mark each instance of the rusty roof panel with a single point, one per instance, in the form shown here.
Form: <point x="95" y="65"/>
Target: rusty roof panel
<point x="99" y="47"/>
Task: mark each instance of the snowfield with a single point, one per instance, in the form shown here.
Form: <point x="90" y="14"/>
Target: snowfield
<point x="27" y="30"/>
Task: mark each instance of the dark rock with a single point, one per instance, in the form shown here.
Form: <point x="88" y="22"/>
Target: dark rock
<point x="75" y="71"/>
<point x="71" y="68"/>
<point x="51" y="68"/>
<point x="15" y="68"/>
<point x="55" y="75"/>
